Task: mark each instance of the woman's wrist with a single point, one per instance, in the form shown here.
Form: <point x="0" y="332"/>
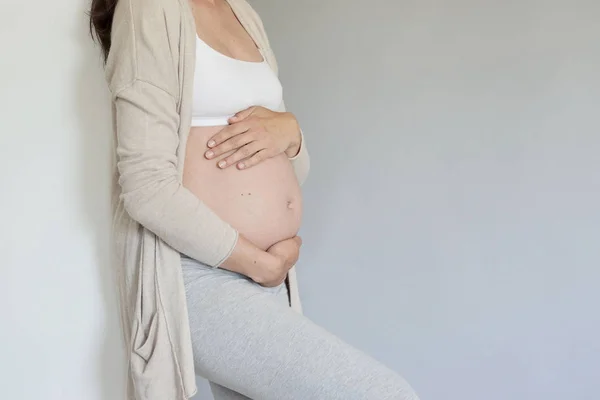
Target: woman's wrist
<point x="296" y="136"/>
<point x="263" y="271"/>
<point x="260" y="269"/>
<point x="249" y="260"/>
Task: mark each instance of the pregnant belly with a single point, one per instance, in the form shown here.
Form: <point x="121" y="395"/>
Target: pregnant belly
<point x="263" y="203"/>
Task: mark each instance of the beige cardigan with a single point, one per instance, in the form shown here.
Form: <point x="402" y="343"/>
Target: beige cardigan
<point x="149" y="71"/>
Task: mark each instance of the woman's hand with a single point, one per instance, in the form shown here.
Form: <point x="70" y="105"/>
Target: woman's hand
<point x="286" y="255"/>
<point x="255" y="134"/>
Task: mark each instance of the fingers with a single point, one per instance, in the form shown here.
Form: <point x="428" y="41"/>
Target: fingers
<point x="257" y="158"/>
<point x="227" y="133"/>
<point x="248" y="151"/>
<point x="298" y="240"/>
<point x="234" y="143"/>
<point x="242" y="115"/>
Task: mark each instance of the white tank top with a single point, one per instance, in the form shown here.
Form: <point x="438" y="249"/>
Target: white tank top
<point x="224" y="86"/>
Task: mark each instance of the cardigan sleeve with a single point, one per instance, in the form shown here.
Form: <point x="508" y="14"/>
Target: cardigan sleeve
<point x="151" y="190"/>
<point x="142" y="75"/>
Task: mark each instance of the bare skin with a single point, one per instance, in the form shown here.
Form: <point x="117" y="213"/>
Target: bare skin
<point x="241" y="171"/>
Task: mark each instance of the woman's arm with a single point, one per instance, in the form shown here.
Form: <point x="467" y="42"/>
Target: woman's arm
<point x="153" y="195"/>
<point x="147" y="140"/>
<point x="141" y="72"/>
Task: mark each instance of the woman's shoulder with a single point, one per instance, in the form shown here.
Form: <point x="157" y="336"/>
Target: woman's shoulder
<point x="146" y="11"/>
<point x="144" y="42"/>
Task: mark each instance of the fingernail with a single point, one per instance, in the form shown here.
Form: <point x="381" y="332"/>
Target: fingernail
<point x="209" y="154"/>
<point x="222" y="164"/>
<point x="211" y="143"/>
<point x="241" y="165"/>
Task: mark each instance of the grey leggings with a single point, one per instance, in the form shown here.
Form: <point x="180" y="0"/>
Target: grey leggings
<point x="250" y="345"/>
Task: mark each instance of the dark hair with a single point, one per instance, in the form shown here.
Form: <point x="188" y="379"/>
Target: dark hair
<point x="101" y="19"/>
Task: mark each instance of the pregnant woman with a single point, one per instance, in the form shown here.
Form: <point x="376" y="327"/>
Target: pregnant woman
<point x="207" y="208"/>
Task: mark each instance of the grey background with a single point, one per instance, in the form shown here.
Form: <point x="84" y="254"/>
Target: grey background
<point x="452" y="215"/>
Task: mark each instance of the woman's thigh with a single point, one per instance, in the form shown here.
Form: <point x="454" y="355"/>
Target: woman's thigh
<point x="245" y="338"/>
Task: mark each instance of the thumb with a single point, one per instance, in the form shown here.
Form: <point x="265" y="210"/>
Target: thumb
<point x="298" y="240"/>
<point x="242" y="115"/>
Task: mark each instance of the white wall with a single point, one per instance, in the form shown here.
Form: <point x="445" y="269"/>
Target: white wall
<point x="452" y="216"/>
<point x="59" y="335"/>
<point x="462" y="208"/>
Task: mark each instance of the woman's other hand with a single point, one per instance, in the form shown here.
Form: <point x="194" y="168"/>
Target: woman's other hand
<point x="255" y="134"/>
<point x="286" y="255"/>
